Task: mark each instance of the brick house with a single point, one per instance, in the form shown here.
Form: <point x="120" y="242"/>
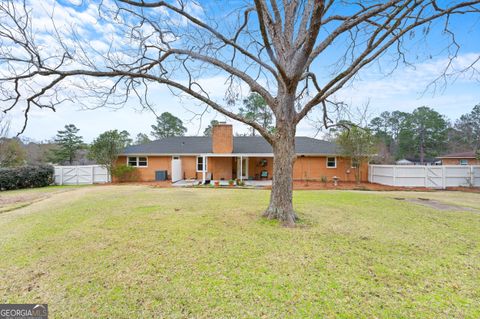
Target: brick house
<point x="463" y="158"/>
<point x="224" y="156"/>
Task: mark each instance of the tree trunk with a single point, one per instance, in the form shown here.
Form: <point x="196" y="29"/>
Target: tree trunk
<point x="422" y="147"/>
<point x="281" y="206"/>
<point x="422" y="153"/>
<point x="358" y="173"/>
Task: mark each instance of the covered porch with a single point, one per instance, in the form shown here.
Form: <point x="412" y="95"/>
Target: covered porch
<point x="243" y="167"/>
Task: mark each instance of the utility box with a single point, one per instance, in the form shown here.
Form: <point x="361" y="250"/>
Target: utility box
<point x="160" y="175"/>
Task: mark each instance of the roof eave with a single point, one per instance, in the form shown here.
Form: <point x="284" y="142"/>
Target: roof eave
<point x="224" y="154"/>
<point x="457" y="157"/>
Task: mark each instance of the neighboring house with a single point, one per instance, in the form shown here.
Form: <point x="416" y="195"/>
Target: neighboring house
<point x="223" y="156"/>
<point x="404" y="161"/>
<point x="463" y="158"/>
<point x="416" y="161"/>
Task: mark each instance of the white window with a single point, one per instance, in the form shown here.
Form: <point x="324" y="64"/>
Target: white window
<point x="142" y="161"/>
<point x="463" y="162"/>
<point x="137" y="161"/>
<point x="331" y="162"/>
<point x="199" y="164"/>
<point x="132" y="161"/>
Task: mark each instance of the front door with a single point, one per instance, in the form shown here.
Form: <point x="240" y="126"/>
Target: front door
<point x="176" y="169"/>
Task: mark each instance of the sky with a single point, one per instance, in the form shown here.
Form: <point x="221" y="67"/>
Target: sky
<point x="405" y="89"/>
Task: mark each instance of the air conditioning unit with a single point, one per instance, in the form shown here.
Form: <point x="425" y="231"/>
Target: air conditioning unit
<point x="160" y="175"/>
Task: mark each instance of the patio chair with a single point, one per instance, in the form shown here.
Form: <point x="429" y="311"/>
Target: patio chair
<point x="208" y="178"/>
<point x="264" y="174"/>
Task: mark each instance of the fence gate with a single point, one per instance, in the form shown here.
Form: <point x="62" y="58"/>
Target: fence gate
<point x="81" y="175"/>
<point x="434" y="176"/>
<point x="69" y="176"/>
<point x="476" y="176"/>
<point x="441" y="176"/>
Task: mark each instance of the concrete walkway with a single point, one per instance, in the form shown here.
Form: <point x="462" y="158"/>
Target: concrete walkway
<point x="193" y="182"/>
<point x="186" y="183"/>
<point x="263" y="183"/>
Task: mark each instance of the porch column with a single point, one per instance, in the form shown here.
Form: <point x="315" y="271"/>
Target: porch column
<point x="241" y="168"/>
<point x="204" y="168"/>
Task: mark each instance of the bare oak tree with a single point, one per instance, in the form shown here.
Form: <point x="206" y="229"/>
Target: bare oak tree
<point x="274" y="48"/>
<point x="4" y="126"/>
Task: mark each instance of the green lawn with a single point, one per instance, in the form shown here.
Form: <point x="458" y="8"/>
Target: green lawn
<point x="141" y="252"/>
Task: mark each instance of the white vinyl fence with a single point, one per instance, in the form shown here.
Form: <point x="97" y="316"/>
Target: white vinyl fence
<point x="81" y="175"/>
<point x="441" y="176"/>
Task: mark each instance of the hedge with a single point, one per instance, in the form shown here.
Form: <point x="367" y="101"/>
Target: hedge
<point x="125" y="173"/>
<point x="26" y="177"/>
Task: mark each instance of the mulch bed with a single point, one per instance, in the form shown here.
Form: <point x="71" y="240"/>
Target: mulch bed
<point x="465" y="189"/>
<point x="317" y="185"/>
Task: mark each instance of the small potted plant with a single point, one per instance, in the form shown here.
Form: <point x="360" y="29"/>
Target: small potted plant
<point x="216" y="183"/>
<point x="324" y="180"/>
<point x="231" y="182"/>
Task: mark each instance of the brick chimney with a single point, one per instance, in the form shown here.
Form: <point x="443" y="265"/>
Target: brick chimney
<point x="222" y="138"/>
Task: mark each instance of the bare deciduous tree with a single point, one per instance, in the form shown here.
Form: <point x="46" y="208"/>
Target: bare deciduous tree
<point x="4" y="126"/>
<point x="272" y="47"/>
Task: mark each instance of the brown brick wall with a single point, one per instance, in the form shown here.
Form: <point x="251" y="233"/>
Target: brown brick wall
<point x="155" y="163"/>
<point x="189" y="167"/>
<point x="255" y="167"/>
<point x="311" y="168"/>
<point x="456" y="161"/>
<point x="220" y="167"/>
<point x="222" y="138"/>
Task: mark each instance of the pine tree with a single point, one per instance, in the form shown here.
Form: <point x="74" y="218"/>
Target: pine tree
<point x="69" y="142"/>
<point x="168" y="125"/>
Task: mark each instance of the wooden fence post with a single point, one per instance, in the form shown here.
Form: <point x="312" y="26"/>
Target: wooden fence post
<point x="425" y="172"/>
<point x="394" y="175"/>
<point x="475" y="167"/>
<point x="444" y="177"/>
<point x="472" y="176"/>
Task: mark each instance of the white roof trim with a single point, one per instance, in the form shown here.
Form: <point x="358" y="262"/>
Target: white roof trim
<point x="457" y="157"/>
<point x="224" y="154"/>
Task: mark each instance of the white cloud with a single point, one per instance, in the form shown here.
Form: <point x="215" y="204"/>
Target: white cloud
<point x="407" y="80"/>
<point x="77" y="3"/>
<point x="402" y="90"/>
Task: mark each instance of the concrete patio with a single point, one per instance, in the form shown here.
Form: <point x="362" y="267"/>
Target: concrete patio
<point x="194" y="182"/>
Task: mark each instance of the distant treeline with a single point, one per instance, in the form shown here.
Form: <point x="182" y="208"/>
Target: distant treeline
<point x="424" y="134"/>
